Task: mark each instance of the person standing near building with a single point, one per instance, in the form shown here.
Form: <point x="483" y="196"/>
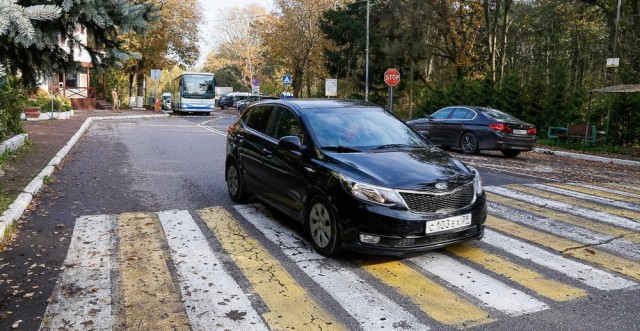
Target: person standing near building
<point x="116" y="102"/>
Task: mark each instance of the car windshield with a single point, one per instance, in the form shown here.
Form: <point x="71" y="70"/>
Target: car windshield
<point x="360" y="128"/>
<point x="498" y="115"/>
<point x="198" y="86"/>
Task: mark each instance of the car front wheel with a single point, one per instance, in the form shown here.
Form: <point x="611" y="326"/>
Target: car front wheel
<point x="234" y="183"/>
<point x="322" y="227"/>
<point x="469" y="143"/>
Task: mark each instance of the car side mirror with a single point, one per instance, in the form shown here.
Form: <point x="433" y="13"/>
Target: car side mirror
<point x="430" y="118"/>
<point x="290" y="143"/>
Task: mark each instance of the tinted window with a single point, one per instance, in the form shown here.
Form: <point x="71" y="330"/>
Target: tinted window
<point x="285" y="123"/>
<point x="498" y="115"/>
<point x="258" y="118"/>
<point x="442" y="113"/>
<point x="459" y="113"/>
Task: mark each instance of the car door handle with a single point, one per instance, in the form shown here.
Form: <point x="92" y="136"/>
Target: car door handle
<point x="266" y="153"/>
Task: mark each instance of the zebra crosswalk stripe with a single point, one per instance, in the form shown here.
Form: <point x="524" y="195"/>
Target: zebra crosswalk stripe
<point x="629" y="214"/>
<point x="492" y="292"/>
<point x="579" y="271"/>
<point x="621" y="187"/>
<point x="211" y="295"/>
<point x="618" y="192"/>
<point x="290" y="305"/>
<point x="557" y="216"/>
<point x="589" y="194"/>
<point x="335" y="280"/>
<point x="579" y="234"/>
<point x="524" y="276"/>
<point x="83" y="296"/>
<point x="558" y="205"/>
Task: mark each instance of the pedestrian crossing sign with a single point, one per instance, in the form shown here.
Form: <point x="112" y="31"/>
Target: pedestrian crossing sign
<point x="286" y="80"/>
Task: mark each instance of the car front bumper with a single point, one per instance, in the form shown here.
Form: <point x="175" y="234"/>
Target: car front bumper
<point x="401" y="231"/>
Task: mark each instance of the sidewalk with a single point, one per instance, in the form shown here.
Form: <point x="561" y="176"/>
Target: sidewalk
<point x="48" y="142"/>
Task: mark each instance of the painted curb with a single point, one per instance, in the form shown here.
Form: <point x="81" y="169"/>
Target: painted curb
<point x="588" y="157"/>
<point x="18" y="207"/>
<point x="13" y="143"/>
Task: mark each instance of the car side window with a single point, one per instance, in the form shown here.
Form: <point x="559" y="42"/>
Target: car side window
<point x="459" y="113"/>
<point x="258" y="118"/>
<point x="442" y="113"/>
<point x="470" y="115"/>
<point x="285" y="123"/>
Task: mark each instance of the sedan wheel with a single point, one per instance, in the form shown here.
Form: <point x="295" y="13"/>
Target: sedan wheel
<point x="322" y="228"/>
<point x="469" y="143"/>
<point x="234" y="184"/>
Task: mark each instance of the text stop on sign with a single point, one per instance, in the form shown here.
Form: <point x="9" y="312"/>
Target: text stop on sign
<point x="392" y="77"/>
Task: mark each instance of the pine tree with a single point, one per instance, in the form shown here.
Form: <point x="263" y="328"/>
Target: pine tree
<point x="33" y="36"/>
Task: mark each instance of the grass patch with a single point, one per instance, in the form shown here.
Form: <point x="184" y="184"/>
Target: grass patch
<point x="47" y="179"/>
<point x="4" y="157"/>
<point x="9" y="234"/>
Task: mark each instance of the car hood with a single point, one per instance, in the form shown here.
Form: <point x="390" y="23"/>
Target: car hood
<point x="412" y="169"/>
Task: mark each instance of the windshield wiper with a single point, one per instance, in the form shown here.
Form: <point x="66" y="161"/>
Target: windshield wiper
<point x="389" y="146"/>
<point x="340" y="149"/>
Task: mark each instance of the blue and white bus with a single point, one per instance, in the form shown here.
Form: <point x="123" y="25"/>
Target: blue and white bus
<point x="193" y="92"/>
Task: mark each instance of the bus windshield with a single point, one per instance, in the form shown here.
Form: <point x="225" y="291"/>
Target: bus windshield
<point x="198" y="87"/>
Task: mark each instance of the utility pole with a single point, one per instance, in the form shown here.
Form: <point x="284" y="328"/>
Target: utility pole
<point x="366" y="75"/>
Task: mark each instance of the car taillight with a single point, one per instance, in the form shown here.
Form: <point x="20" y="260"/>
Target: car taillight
<point x="532" y="131"/>
<point x="497" y="127"/>
<point x="500" y="127"/>
<point x="229" y="129"/>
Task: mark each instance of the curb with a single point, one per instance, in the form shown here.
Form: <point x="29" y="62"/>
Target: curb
<point x="17" y="208"/>
<point x="588" y="157"/>
<point x="13" y="143"/>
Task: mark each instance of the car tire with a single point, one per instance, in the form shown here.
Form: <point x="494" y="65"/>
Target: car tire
<point x="469" y="143"/>
<point x="235" y="186"/>
<point x="322" y="227"/>
<point x="208" y="113"/>
<point x="510" y="152"/>
<point x="223" y="107"/>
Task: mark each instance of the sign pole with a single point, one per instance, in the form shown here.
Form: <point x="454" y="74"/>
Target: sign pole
<point x="391" y="99"/>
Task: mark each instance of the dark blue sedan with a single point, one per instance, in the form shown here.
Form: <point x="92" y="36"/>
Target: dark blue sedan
<point x="472" y="129"/>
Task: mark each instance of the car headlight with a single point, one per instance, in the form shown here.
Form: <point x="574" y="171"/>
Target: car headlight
<point x="371" y="193"/>
<point x="477" y="181"/>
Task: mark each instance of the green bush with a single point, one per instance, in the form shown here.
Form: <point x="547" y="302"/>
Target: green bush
<point x="13" y="99"/>
<point x="42" y="99"/>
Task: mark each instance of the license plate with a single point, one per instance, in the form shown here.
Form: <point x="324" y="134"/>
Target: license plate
<point x="448" y="223"/>
<point x="515" y="131"/>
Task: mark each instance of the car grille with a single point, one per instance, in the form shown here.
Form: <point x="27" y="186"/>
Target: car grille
<point x="434" y="239"/>
<point x="427" y="202"/>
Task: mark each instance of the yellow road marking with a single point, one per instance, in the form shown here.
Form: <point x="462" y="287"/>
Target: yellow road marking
<point x="290" y="306"/>
<point x="526" y="277"/>
<point x="604" y="228"/>
<point x="436" y="301"/>
<point x="617" y="188"/>
<point x="151" y="301"/>
<point x="568" y="247"/>
<point x="575" y="201"/>
<point x="598" y="193"/>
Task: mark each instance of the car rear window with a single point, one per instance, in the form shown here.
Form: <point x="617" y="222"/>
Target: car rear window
<point x="498" y="115"/>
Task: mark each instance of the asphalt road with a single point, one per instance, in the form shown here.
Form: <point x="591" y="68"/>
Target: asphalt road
<point x="139" y="210"/>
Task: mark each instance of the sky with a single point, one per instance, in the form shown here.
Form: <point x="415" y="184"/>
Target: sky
<point x="212" y="8"/>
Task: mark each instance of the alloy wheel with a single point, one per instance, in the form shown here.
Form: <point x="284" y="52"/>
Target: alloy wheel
<point x="320" y="225"/>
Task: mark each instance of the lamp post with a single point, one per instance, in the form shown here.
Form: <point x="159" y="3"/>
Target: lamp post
<point x="366" y="61"/>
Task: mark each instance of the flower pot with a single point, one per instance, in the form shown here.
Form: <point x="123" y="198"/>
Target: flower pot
<point x="32" y="112"/>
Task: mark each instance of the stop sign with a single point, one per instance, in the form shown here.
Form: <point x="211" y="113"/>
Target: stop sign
<point x="392" y="77"/>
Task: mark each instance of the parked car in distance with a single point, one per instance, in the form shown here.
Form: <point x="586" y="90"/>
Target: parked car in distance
<point x="354" y="175"/>
<point x="166" y="101"/>
<point x="228" y="99"/>
<point x="473" y="129"/>
<point x="241" y="105"/>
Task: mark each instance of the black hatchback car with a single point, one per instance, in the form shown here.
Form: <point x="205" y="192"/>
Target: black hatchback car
<point x="477" y="128"/>
<point x="356" y="176"/>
